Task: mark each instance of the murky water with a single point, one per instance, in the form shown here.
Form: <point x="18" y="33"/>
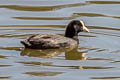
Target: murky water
<point x="96" y="58"/>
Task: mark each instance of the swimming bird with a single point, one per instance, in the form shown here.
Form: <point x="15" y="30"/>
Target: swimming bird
<point x="54" y="41"/>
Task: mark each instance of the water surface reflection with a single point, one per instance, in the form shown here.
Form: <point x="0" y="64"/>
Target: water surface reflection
<point x="70" y="54"/>
<point x="74" y="54"/>
<point x="40" y="53"/>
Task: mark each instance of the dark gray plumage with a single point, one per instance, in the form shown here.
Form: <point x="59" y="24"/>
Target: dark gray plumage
<point x="53" y="41"/>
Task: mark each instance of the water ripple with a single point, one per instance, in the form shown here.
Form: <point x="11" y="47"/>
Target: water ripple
<point x="104" y="28"/>
<point x="43" y="73"/>
<point x="41" y="8"/>
<point x="117" y="77"/>
<point x="104" y="2"/>
<point x="74" y="15"/>
<point x="6" y="77"/>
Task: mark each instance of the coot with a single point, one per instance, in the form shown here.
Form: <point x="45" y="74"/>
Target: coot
<point x="54" y="41"/>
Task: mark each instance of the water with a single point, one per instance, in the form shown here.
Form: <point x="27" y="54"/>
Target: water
<point x="96" y="58"/>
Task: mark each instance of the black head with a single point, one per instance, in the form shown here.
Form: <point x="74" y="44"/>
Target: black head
<point x="74" y="27"/>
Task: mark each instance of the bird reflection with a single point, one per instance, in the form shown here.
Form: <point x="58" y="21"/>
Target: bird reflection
<point x="40" y="53"/>
<point x="69" y="54"/>
<point x="74" y="54"/>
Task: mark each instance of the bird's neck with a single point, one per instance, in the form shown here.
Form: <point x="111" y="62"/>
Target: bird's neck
<point x="75" y="37"/>
<point x="71" y="33"/>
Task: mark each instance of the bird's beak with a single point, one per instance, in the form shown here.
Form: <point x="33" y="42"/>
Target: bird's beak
<point x="85" y="29"/>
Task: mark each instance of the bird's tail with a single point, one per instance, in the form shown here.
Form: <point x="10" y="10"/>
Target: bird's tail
<point x="25" y="43"/>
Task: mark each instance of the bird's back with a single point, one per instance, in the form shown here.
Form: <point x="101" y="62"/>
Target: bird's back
<point x="48" y="41"/>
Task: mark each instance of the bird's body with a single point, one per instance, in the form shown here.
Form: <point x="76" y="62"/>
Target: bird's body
<point x="53" y="41"/>
<point x="49" y="41"/>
